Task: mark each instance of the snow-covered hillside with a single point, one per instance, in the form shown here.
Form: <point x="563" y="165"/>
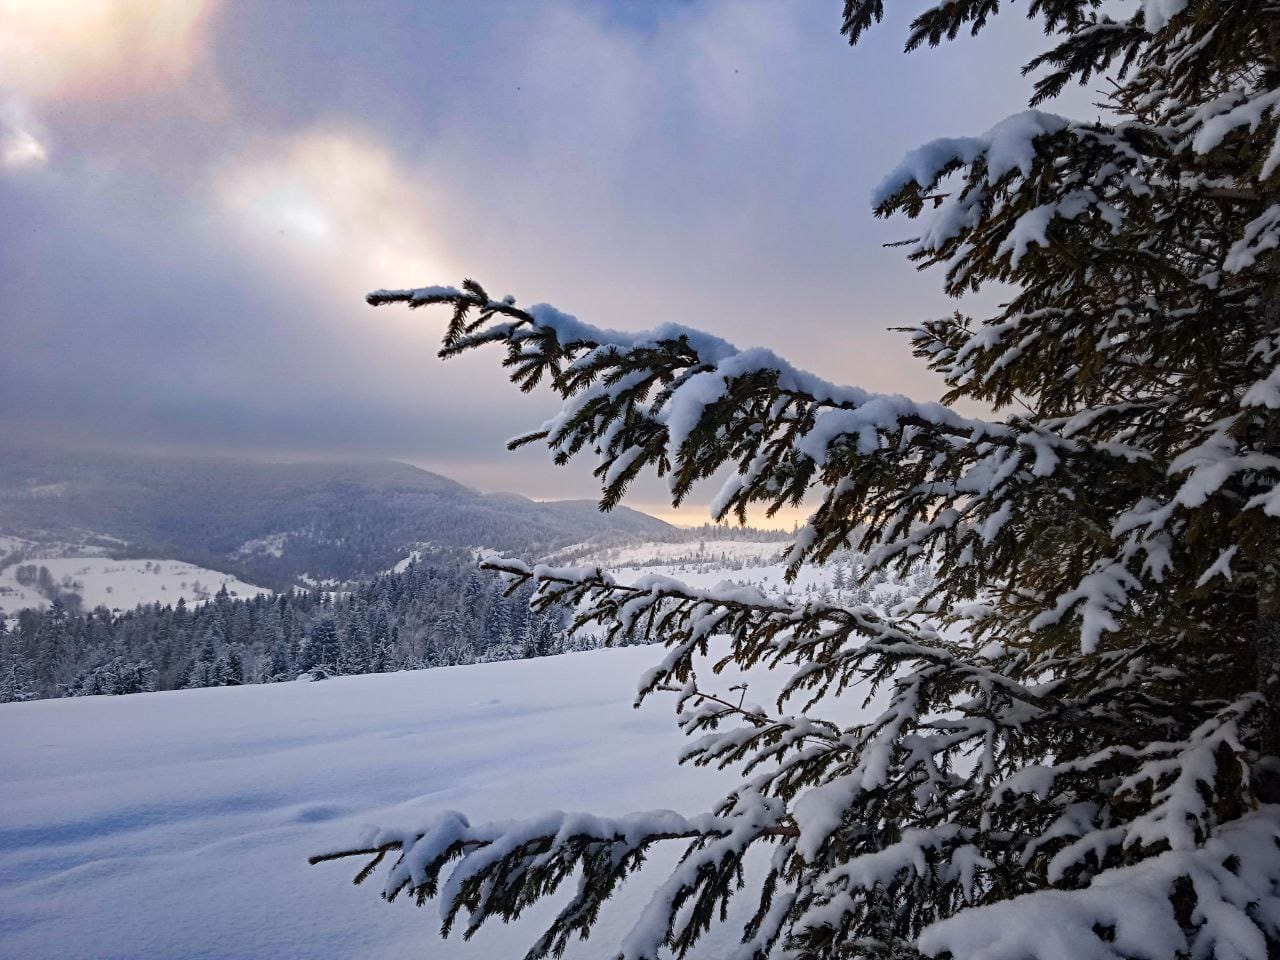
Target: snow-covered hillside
<point x="756" y="564"/>
<point x="178" y="824"/>
<point x="651" y="552"/>
<point x="119" y="584"/>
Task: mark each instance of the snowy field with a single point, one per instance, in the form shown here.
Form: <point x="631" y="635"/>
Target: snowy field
<point x="177" y="825"/>
<point x="120" y="584"/>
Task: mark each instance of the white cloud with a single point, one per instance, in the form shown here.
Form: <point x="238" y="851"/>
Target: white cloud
<point x="19" y="149"/>
<point x="22" y="143"/>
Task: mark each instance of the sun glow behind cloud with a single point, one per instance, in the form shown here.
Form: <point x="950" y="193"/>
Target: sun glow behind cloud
<point x="100" y="49"/>
<point x="340" y="207"/>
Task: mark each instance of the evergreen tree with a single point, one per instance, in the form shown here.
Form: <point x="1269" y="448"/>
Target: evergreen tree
<point x="199" y="674"/>
<point x="134" y="677"/>
<point x="279" y="667"/>
<point x="203" y="670"/>
<point x="229" y="669"/>
<point x="1092" y="770"/>
<point x="838" y="581"/>
<point x="355" y="645"/>
<point x="17" y="679"/>
<point x="114" y="678"/>
<point x="527" y="634"/>
<point x="323" y="650"/>
<point x="52" y="642"/>
<point x="382" y="660"/>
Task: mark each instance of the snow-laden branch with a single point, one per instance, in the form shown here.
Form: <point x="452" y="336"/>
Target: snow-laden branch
<point x="503" y="867"/>
<point x="906" y="479"/>
<point x="1227" y="888"/>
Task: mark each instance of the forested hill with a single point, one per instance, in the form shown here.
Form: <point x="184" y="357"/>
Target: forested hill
<point x="438" y="611"/>
<point x="273" y="522"/>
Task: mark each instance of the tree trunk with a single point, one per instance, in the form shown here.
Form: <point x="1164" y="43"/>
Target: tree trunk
<point x="1267" y="663"/>
<point x="1267" y="649"/>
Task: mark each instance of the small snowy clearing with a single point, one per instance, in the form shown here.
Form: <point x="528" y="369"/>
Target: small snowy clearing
<point x="269" y="546"/>
<point x="119" y="585"/>
<point x="14" y="596"/>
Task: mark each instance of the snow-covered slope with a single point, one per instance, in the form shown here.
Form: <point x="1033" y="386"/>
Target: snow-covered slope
<point x="178" y="824"/>
<point x="120" y="584"/>
<point x="757" y="564"/>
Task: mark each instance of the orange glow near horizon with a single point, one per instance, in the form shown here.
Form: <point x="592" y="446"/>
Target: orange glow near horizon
<point x="696" y="514"/>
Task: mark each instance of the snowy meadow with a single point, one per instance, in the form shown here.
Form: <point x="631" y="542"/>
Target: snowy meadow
<point x="179" y="824"/>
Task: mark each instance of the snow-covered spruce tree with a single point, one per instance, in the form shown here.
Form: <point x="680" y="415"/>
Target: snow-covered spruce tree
<point x="1091" y="771"/>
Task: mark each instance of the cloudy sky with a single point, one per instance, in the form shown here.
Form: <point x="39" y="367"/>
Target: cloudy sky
<point x="195" y="195"/>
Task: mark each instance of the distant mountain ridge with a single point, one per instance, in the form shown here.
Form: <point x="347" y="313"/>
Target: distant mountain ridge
<point x="271" y="522"/>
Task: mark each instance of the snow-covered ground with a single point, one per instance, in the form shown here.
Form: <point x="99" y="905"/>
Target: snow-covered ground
<point x="178" y="824"/>
<point x="120" y="584"/>
<point x="14" y="596"/>
<point x="91" y="545"/>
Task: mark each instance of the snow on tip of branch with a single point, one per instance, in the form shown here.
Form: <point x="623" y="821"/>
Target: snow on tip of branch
<point x="569" y="329"/>
<point x="1210" y="464"/>
<point x="865" y="423"/>
<point x="1264" y="393"/>
<point x="1220" y="567"/>
<point x="925" y="163"/>
<point x="621" y="464"/>
<point x="1099" y="595"/>
<point x="804" y="538"/>
<point x="1260" y="235"/>
<point x="1218" y="118"/>
<point x="727" y="363"/>
<point x="735" y="483"/>
<point x="687" y="404"/>
<point x="1035" y="779"/>
<point x="724" y="592"/>
<point x="416" y="295"/>
<point x="1046" y="460"/>
<point x="819" y="813"/>
<point x="755" y="814"/>
<point x="1127" y="912"/>
<point x="580" y="574"/>
<point x="482" y="845"/>
<point x="1187" y="771"/>
<point x="1032" y="228"/>
<point x="880" y="868"/>
<point x="1007" y="146"/>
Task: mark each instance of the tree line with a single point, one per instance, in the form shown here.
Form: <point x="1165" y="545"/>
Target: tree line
<point x="439" y="611"/>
